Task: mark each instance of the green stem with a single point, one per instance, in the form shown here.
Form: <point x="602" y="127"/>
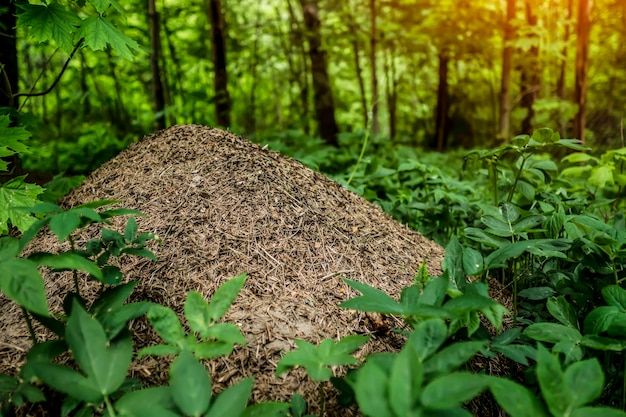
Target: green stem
<point x="358" y="162"/>
<point x="322" y="400"/>
<point x="494" y="182"/>
<point x="110" y="409"/>
<point x="517" y="178"/>
<point x="29" y="325"/>
<point x="74" y="272"/>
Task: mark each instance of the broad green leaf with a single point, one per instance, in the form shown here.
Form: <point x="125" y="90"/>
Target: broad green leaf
<point x="585" y="380"/>
<point x="224" y="296"/>
<point x="601" y="175"/>
<point x="372" y="300"/>
<point x="63" y="224"/>
<point x="527" y="224"/>
<point x="602" y="343"/>
<point x="427" y="338"/>
<point x="115" y="321"/>
<point x="578" y="157"/>
<point x="197" y="312"/>
<point x="561" y="310"/>
<point x="67" y="261"/>
<point x="498" y="257"/>
<point x="14" y="194"/>
<point x="473" y="262"/>
<point x="552" y="382"/>
<point x="106" y="363"/>
<point x="209" y="350"/>
<point x="536" y="293"/>
<point x="190" y="385"/>
<point x="453" y="389"/>
<point x="167" y="325"/>
<point x="131" y="229"/>
<point x="9" y="248"/>
<point x="232" y="402"/>
<point x="552" y="333"/>
<point x="515" y="399"/>
<point x="99" y="32"/>
<point x="451" y="357"/>
<point x="68" y="381"/>
<point x="371" y="398"/>
<point x="469" y="302"/>
<point x="267" y="409"/>
<point x="159" y="350"/>
<point x="12" y="138"/>
<point x="453" y="260"/>
<point x="614" y="295"/>
<point x="21" y="282"/>
<point x="224" y="332"/>
<point x="497" y="226"/>
<point x="518" y="353"/>
<point x="150" y="402"/>
<point x="51" y="21"/>
<point x="598" y="412"/>
<point x="599" y="319"/>
<point x="434" y="292"/>
<point x="112" y="298"/>
<point x="526" y="189"/>
<point x="405" y="382"/>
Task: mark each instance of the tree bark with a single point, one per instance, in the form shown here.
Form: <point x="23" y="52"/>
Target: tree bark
<point x="8" y="56"/>
<point x="323" y="96"/>
<point x="301" y="74"/>
<point x="582" y="65"/>
<point x="504" y="130"/>
<point x="373" y="42"/>
<point x="158" y="96"/>
<point x="392" y="93"/>
<point x="560" y="82"/>
<point x="531" y="82"/>
<point x="354" y="42"/>
<point x="442" y="103"/>
<point x="220" y="79"/>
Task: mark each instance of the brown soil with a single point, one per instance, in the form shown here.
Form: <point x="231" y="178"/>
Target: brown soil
<point x="223" y="206"/>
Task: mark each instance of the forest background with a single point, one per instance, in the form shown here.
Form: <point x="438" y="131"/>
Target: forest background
<point x="424" y="73"/>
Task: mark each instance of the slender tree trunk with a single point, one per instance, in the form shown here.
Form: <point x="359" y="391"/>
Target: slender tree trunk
<point x="158" y="97"/>
<point x="323" y="95"/>
<point x="8" y="56"/>
<point x="301" y="74"/>
<point x="392" y="94"/>
<point x="582" y="65"/>
<point x="251" y="118"/>
<point x="507" y="52"/>
<point x="177" y="84"/>
<point x="373" y="44"/>
<point x="356" y="54"/>
<point x="218" y="42"/>
<point x="442" y="103"/>
<point x="560" y="83"/>
<point x="531" y="81"/>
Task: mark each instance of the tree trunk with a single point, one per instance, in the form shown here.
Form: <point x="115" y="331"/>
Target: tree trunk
<point x="354" y="41"/>
<point x="582" y="65"/>
<point x="323" y="96"/>
<point x="392" y="92"/>
<point x="8" y="56"/>
<point x="373" y="41"/>
<point x="158" y="97"/>
<point x="442" y="103"/>
<point x="504" y="130"/>
<point x="218" y="42"/>
<point x="530" y="74"/>
<point x="560" y="83"/>
<point x="301" y="75"/>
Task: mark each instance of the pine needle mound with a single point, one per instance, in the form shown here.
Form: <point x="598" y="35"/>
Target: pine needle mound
<point x="222" y="206"/>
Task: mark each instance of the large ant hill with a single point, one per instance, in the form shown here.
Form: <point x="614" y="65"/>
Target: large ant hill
<point x="223" y="206"/>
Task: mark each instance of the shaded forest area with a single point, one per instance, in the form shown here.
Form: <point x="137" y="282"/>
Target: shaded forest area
<point x="428" y="73"/>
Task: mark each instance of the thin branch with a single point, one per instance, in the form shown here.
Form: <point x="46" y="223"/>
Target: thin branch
<point x="6" y="35"/>
<point x="57" y="79"/>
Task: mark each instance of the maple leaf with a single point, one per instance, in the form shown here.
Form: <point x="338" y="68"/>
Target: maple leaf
<point x="11" y="140"/>
<point x="14" y="194"/>
<point x="50" y="21"/>
<point x="99" y="32"/>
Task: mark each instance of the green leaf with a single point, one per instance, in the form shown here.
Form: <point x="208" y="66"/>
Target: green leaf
<point x="224" y="332"/>
<point x="68" y="381"/>
<point x="9" y="248"/>
<point x="599" y="319"/>
<point x="473" y="262"/>
<point x="552" y="383"/>
<point x="615" y="296"/>
<point x="497" y="226"/>
<point x="451" y="357"/>
<point x="209" y="350"/>
<point x="515" y="399"/>
<point x="585" y="380"/>
<point x="63" y="224"/>
<point x="598" y="412"/>
<point x="405" y="382"/>
<point x="434" y="292"/>
<point x="469" y="302"/>
<point x="536" y="293"/>
<point x="452" y="390"/>
<point x="552" y="333"/>
<point x="190" y="384"/>
<point x="67" y="261"/>
<point x="99" y="32"/>
<point x="21" y="282"/>
<point x="159" y="350"/>
<point x="267" y="409"/>
<point x="371" y="398"/>
<point x="15" y="194"/>
<point x="197" y="312"/>
<point x="106" y="363"/>
<point x="602" y="343"/>
<point x="150" y="402"/>
<point x="427" y="337"/>
<point x="601" y="175"/>
<point x="131" y="229"/>
<point x="562" y="311"/>
<point x="372" y="300"/>
<point x="232" y="402"/>
<point x="167" y="325"/>
<point x="224" y="297"/>
<point x="50" y="21"/>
